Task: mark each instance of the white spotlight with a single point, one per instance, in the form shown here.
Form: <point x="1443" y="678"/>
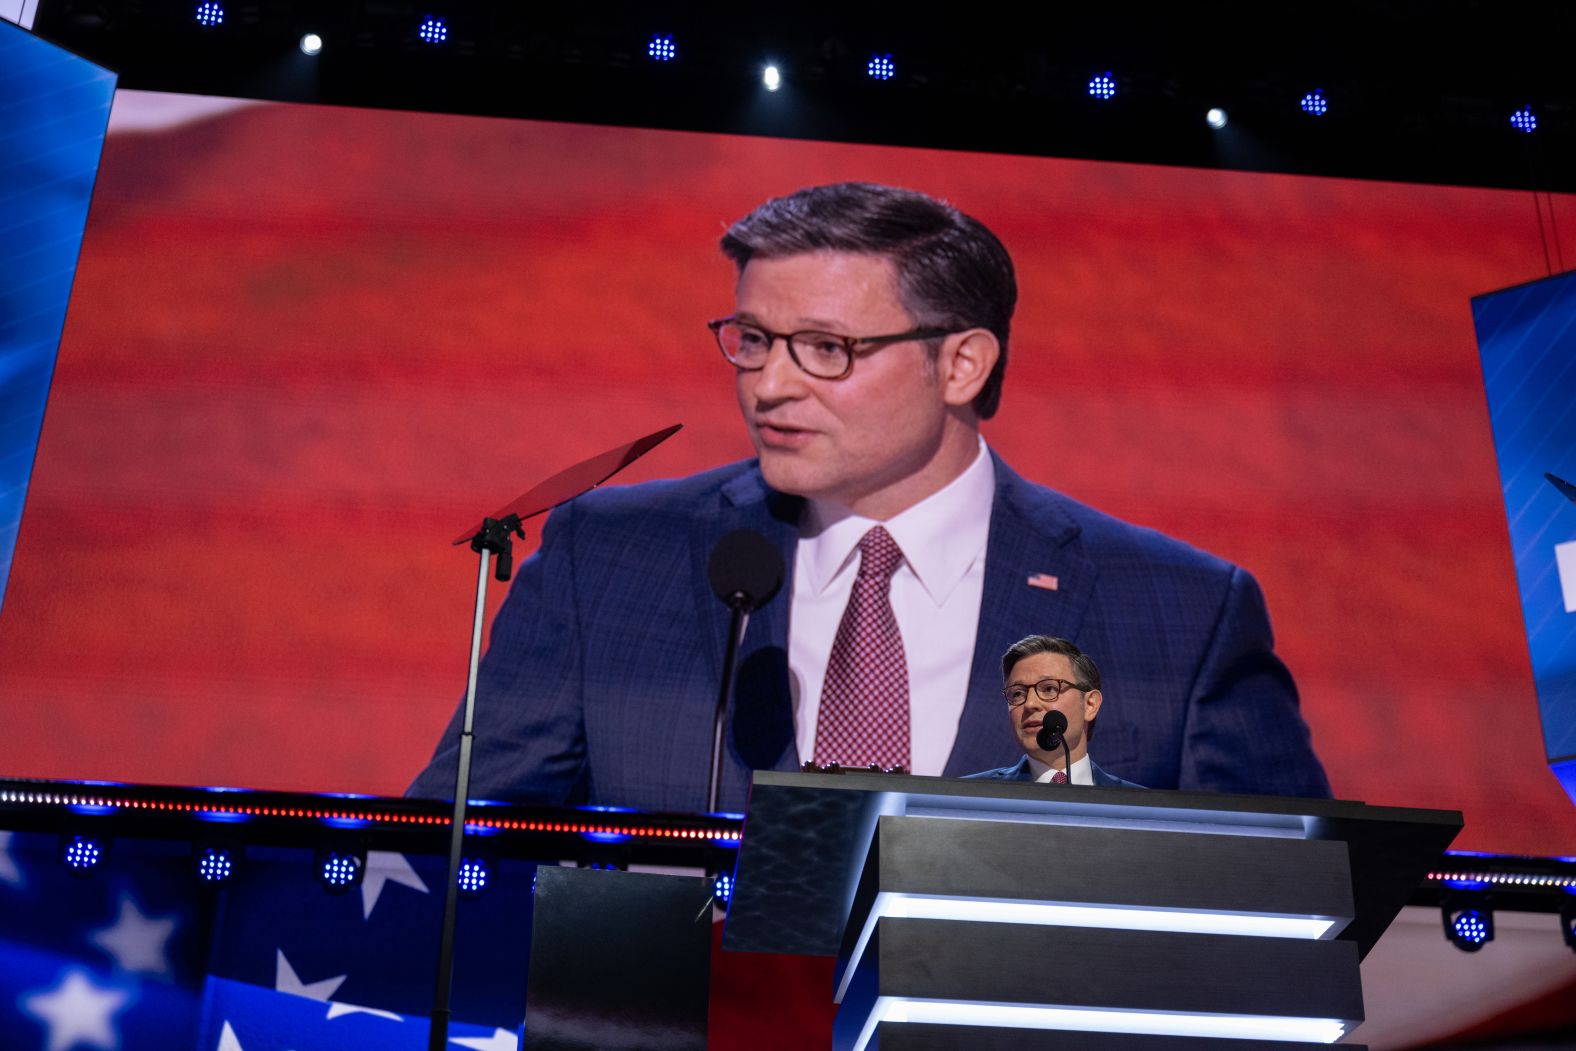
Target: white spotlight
<point x="1216" y="118"/>
<point x="311" y="44"/>
<point x="772" y="77"/>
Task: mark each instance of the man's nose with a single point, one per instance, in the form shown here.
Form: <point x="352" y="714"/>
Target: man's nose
<point x="780" y="378"/>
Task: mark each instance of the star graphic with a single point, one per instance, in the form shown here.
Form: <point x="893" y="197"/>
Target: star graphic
<point x="501" y="1040"/>
<point x="337" y="1010"/>
<point x="9" y="873"/>
<point x="286" y="981"/>
<point x="77" y="1012"/>
<point x="385" y="866"/>
<point x="137" y="942"/>
<point x="228" y="1041"/>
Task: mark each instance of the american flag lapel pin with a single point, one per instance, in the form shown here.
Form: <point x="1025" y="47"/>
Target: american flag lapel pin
<point x="1044" y="580"/>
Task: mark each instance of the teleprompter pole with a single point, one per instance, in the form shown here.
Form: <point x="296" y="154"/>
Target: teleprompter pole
<point x="493" y="539"/>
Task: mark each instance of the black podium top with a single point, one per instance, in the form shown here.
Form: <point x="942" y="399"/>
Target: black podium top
<point x="806" y="836"/>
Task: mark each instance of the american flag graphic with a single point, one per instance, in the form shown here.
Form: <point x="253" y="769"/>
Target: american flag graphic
<point x="137" y="956"/>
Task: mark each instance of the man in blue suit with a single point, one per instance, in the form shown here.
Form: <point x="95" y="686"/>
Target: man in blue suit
<point x="1043" y="674"/>
<point x="869" y="340"/>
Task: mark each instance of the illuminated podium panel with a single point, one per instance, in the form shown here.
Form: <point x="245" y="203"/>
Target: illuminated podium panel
<point x="975" y="914"/>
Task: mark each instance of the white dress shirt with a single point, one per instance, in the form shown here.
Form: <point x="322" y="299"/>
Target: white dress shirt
<point x="935" y="596"/>
<point x="1081" y="775"/>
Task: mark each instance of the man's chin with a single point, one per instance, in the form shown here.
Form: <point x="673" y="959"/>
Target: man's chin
<point x="786" y="473"/>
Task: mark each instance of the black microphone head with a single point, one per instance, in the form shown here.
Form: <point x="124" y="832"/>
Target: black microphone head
<point x="745" y="569"/>
<point x="1051" y="730"/>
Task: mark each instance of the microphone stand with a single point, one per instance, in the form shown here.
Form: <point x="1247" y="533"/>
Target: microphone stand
<point x="739" y="604"/>
<point x="491" y="540"/>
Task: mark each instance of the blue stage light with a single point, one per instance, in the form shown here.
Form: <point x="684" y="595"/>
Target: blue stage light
<point x="1314" y="104"/>
<point x="210" y="14"/>
<point x="772" y="78"/>
<point x="1524" y="120"/>
<point x="473" y="875"/>
<point x="881" y="67"/>
<point x="660" y="48"/>
<point x="215" y="865"/>
<point x="433" y="31"/>
<point x="722" y="889"/>
<point x="339" y="870"/>
<point x="1468" y="927"/>
<point x="1216" y="118"/>
<point x="82" y="854"/>
<point x="1102" y="87"/>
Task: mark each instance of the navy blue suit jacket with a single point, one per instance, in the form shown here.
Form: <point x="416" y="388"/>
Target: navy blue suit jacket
<point x="1020" y="771"/>
<point x="601" y="675"/>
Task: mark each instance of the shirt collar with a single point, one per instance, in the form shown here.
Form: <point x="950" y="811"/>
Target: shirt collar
<point x="941" y="536"/>
<point x="1081" y="775"/>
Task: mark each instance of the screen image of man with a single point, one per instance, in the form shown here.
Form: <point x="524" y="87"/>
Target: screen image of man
<point x="1041" y="675"/>
<point x="868" y="341"/>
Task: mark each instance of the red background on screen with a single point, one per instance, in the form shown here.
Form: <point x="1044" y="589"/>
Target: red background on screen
<point x="308" y="346"/>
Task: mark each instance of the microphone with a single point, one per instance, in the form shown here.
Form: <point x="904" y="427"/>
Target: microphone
<point x="1050" y="736"/>
<point x="745" y="570"/>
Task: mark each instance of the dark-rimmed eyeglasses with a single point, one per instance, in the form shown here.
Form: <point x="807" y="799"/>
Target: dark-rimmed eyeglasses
<point x="824" y="355"/>
<point x="1046" y="690"/>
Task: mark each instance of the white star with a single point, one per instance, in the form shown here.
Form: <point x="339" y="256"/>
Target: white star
<point x="286" y="981"/>
<point x="336" y="1009"/>
<point x="78" y="1012"/>
<point x="501" y="1040"/>
<point x="228" y="1041"/>
<point x="9" y="873"/>
<point x="385" y="866"/>
<point x="137" y="942"/>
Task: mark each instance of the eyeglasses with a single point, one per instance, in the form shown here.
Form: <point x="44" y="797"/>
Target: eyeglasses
<point x="824" y="355"/>
<point x="1046" y="690"/>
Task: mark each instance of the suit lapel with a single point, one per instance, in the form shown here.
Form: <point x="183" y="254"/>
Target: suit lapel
<point x="1030" y="535"/>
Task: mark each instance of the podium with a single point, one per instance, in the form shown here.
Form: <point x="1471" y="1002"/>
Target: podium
<point x="987" y="914"/>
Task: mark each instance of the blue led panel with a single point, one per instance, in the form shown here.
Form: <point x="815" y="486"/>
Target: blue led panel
<point x="54" y="108"/>
<point x="1527" y="342"/>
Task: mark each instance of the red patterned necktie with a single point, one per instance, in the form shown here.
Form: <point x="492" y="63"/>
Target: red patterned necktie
<point x="1059" y="778"/>
<point x="863" y="717"/>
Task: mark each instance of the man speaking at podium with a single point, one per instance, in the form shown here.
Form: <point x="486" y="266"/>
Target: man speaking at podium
<point x="868" y="341"/>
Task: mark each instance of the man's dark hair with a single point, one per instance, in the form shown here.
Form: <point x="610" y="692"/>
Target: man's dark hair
<point x="1084" y="670"/>
<point x="953" y="273"/>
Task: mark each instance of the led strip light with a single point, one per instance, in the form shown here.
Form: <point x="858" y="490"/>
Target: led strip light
<point x="998" y="910"/>
<point x="510" y="824"/>
<point x="1099" y="1020"/>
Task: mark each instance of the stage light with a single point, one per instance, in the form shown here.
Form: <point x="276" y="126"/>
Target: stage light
<point x="311" y="44"/>
<point x="215" y="865"/>
<point x="81" y="854"/>
<point x="210" y="14"/>
<point x="433" y="31"/>
<point x="722" y="890"/>
<point x="1216" y="118"/>
<point x="772" y="78"/>
<point x="881" y="67"/>
<point x="1102" y="87"/>
<point x="1468" y="927"/>
<point x="339" y="870"/>
<point x="1524" y="120"/>
<point x="660" y="48"/>
<point x="473" y="876"/>
<point x="1314" y="104"/>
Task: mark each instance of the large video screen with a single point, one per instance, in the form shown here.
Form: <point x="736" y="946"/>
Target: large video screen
<point x="309" y="346"/>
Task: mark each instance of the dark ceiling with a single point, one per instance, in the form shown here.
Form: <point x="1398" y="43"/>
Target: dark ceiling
<point x="1416" y="91"/>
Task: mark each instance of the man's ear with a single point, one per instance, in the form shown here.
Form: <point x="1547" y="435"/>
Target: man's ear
<point x="1092" y="701"/>
<point x="965" y="363"/>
